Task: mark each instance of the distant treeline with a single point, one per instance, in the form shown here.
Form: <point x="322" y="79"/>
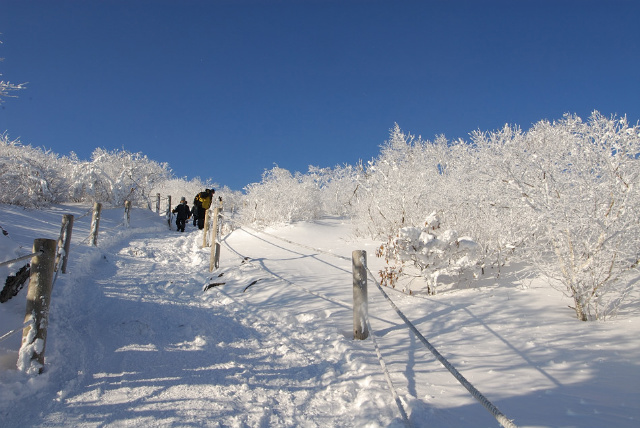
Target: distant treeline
<point x="562" y="196"/>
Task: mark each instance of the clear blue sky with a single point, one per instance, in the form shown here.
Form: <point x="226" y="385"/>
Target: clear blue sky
<point x="227" y="89"/>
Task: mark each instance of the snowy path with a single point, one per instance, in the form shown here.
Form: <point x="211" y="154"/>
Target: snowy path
<point x="135" y="341"/>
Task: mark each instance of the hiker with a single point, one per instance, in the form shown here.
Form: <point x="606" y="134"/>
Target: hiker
<point x="203" y="202"/>
<point x="182" y="212"/>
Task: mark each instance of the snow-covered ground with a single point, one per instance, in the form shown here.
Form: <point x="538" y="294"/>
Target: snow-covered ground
<point x="134" y="340"/>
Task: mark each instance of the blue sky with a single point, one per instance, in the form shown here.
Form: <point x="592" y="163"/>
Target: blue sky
<point x="227" y="89"/>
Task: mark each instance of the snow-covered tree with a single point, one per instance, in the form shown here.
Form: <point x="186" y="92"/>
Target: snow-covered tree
<point x="428" y="252"/>
<point x="576" y="184"/>
<point x="6" y="87"/>
<point x="34" y="177"/>
<point x="28" y="176"/>
<point x="392" y="190"/>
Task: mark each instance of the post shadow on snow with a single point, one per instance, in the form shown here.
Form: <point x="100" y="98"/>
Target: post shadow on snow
<point x="425" y="414"/>
<point x="574" y="405"/>
<point x="521" y="407"/>
<point x="441" y="329"/>
<point x="444" y="314"/>
<point x="560" y="404"/>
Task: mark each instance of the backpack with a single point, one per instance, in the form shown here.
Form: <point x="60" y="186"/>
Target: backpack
<point x="203" y="200"/>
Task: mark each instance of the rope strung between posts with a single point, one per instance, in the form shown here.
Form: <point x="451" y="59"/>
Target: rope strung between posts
<point x="59" y="267"/>
<point x="12" y="332"/>
<point x="113" y="228"/>
<point x="28" y="256"/>
<point x="293" y="243"/>
<point x="60" y="253"/>
<point x="85" y="214"/>
<point x="306" y="290"/>
<point x="500" y="417"/>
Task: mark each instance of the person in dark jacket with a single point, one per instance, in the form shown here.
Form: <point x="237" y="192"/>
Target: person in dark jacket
<point x="182" y="214"/>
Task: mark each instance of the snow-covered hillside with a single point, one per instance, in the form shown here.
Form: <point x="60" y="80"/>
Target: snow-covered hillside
<point x="135" y="341"/>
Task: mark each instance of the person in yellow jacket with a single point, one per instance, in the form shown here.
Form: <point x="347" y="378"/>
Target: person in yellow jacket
<point x="203" y="201"/>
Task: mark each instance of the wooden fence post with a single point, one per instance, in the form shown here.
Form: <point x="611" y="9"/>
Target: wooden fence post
<point x="360" y="305"/>
<point x="214" y="260"/>
<point x="34" y="335"/>
<point x="95" y="223"/>
<point x="168" y="213"/>
<point x="64" y="241"/>
<point x="127" y="213"/>
<point x="157" y="203"/>
<point x="206" y="229"/>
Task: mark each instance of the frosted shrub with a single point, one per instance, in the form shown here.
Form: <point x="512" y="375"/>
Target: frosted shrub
<point x="427" y="252"/>
<point x="118" y="175"/>
<point x="281" y="197"/>
<point x="26" y="174"/>
<point x="6" y="87"/>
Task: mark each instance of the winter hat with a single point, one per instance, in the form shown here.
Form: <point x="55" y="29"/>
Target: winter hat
<point x="183" y="199"/>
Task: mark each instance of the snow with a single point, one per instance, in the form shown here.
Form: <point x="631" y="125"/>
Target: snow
<point x="134" y="340"/>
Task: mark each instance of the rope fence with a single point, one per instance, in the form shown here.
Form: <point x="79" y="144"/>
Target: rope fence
<point x="28" y="256"/>
<point x="495" y="412"/>
<point x="12" y="332"/>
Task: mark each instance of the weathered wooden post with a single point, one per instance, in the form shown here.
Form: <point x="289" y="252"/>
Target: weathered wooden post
<point x="157" y="203"/>
<point x="206" y="229"/>
<point x="127" y="213"/>
<point x="214" y="260"/>
<point x="168" y="213"/>
<point x="95" y="223"/>
<point x="64" y="242"/>
<point x="34" y="335"/>
<point x="360" y="305"/>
